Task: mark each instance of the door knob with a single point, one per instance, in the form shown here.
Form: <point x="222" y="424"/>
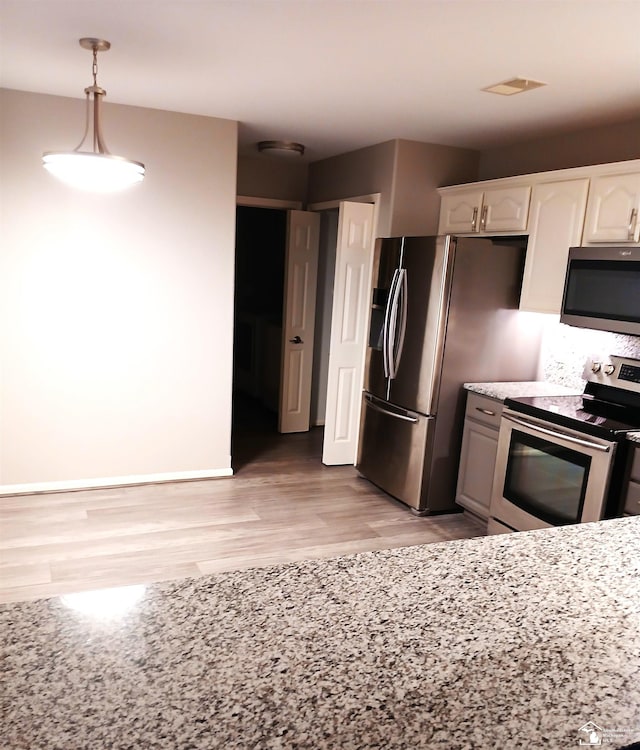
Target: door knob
<point x="296" y="340"/>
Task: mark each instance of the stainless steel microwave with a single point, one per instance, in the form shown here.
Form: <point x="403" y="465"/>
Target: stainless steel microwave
<point x="602" y="289"/>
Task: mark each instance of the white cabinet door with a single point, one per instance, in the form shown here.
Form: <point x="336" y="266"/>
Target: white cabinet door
<point x="613" y="209"/>
<point x="505" y="209"/>
<point x="460" y="212"/>
<point x="485" y="211"/>
<point x="477" y="464"/>
<point x="555" y="225"/>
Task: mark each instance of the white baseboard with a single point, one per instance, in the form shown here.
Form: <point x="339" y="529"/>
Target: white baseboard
<point x="89" y="484"/>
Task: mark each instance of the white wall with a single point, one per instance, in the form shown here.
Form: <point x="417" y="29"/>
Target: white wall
<point x="117" y="310"/>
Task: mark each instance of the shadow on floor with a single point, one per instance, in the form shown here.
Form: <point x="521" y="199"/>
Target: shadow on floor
<point x="256" y="440"/>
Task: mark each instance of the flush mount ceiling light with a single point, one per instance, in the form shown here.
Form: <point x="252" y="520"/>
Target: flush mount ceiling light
<point x="95" y="169"/>
<point x="281" y="148"/>
<point x="514" y="86"/>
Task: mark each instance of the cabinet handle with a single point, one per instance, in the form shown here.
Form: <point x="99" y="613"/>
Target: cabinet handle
<point x="488" y="412"/>
<point x="632" y="224"/>
<point x="474" y="220"/>
<point x="483" y="220"/>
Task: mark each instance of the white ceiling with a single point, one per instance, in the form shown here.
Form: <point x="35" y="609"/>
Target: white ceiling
<point x="341" y="74"/>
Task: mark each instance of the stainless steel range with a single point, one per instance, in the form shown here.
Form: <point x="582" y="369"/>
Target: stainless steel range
<point x="564" y="459"/>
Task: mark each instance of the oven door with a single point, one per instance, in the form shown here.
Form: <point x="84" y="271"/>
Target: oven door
<point x="548" y="475"/>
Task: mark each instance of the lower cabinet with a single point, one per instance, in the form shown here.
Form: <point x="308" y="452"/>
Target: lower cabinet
<point x="478" y="453"/>
<point x="632" y="502"/>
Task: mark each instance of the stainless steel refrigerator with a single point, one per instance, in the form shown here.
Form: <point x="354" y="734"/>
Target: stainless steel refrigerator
<point x="444" y="312"/>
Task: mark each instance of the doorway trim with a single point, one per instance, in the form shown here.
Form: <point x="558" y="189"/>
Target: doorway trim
<point x="253" y="202"/>
<point x="369" y="198"/>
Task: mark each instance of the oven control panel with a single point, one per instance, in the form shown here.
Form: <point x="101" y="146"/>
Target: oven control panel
<point x="615" y="371"/>
<point x="630" y="373"/>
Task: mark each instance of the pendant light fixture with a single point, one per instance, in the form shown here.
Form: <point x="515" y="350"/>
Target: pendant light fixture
<point x="93" y="168"/>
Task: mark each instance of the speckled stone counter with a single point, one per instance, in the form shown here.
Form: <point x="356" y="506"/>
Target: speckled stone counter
<point x="511" y="641"/>
<point x="500" y="391"/>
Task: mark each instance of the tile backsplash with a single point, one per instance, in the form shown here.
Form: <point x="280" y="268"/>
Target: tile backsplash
<point x="565" y="349"/>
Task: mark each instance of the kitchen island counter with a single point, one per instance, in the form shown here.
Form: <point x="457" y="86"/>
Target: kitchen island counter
<point x="510" y="641"/>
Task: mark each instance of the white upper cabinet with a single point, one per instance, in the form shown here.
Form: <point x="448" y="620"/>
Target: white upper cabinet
<point x="555" y="225"/>
<point x="613" y="209"/>
<point x="558" y="210"/>
<point x="505" y="209"/>
<point x="485" y="211"/>
<point x="460" y="212"/>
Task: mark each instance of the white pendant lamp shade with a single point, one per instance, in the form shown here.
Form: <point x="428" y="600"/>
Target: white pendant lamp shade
<point x="94" y="170"/>
<point x="102" y="173"/>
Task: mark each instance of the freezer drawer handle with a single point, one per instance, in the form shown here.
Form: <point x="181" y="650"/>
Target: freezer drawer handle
<point x="559" y="435"/>
<point x="404" y="417"/>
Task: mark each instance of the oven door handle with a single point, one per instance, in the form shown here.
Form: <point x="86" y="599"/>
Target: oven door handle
<point x="560" y="435"/>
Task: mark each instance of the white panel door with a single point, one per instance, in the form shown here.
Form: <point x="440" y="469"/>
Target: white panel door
<point x="301" y="276"/>
<point x="349" y="324"/>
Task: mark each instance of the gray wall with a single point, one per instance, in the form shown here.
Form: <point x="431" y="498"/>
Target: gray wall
<point x="405" y="173"/>
<point x="610" y="143"/>
<point x="266" y="176"/>
<point x="361" y="172"/>
<point x="420" y="168"/>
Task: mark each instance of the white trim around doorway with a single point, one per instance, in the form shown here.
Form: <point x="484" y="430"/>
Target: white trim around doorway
<point x="254" y="202"/>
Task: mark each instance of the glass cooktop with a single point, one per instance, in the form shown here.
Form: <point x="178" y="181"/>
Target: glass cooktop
<point x="583" y="413"/>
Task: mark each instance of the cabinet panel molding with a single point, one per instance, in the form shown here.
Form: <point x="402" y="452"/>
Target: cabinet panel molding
<point x="505" y="210"/>
<point x="613" y="209"/>
<point x="478" y="453"/>
<point x="460" y="212"/>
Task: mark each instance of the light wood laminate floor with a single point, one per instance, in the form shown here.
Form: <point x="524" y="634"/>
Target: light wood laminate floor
<point x="281" y="505"/>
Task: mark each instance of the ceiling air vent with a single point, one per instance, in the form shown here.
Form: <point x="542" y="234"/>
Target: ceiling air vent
<point x="514" y="86"/>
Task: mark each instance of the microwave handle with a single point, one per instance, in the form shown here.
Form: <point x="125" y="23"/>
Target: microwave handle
<point x="632" y="225"/>
<point x="551" y="433"/>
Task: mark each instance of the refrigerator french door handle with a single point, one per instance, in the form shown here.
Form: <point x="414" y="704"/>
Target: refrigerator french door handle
<point x="404" y="417"/>
<point x="393" y="322"/>
<point x="403" y="287"/>
<point x="386" y="328"/>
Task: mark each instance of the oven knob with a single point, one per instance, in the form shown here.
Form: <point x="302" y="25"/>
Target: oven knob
<point x="595" y="367"/>
<point x="609" y="369"/>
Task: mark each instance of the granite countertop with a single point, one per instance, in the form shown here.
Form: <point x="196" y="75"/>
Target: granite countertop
<point x="501" y="391"/>
<point x="510" y="641"/>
